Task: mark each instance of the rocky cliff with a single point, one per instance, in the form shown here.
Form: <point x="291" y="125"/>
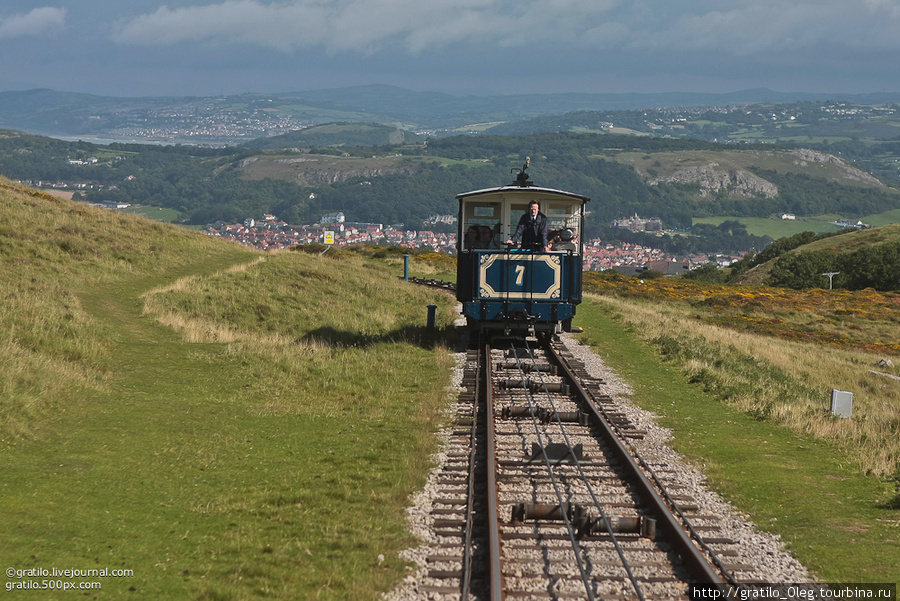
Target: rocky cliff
<point x="714" y="179"/>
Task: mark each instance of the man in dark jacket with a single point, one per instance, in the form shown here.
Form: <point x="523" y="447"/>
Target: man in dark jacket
<point x="532" y="229"/>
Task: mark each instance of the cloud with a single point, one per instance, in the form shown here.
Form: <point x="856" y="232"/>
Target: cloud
<point x="772" y="26"/>
<point x="364" y="25"/>
<point x="38" y="21"/>
<point x="734" y="27"/>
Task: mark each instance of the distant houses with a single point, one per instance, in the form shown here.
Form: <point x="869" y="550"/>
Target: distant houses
<point x="636" y="223"/>
<point x="276" y="235"/>
<point x="631" y="259"/>
<point x="851" y="224"/>
<point x="272" y="234"/>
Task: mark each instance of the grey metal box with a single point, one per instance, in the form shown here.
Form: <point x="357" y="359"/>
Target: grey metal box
<point x="841" y="403"/>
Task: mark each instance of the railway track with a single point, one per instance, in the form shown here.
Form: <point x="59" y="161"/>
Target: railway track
<point x="543" y="493"/>
<point x="541" y="497"/>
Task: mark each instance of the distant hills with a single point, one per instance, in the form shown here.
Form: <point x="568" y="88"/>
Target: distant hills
<point x="677" y="181"/>
<point x="240" y="118"/>
<point x="387" y="155"/>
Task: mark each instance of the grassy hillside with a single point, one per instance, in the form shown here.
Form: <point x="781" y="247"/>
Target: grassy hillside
<point x="315" y="169"/>
<point x="217" y="421"/>
<point x="663" y="165"/>
<point x="855" y="239"/>
<point x="54" y="251"/>
<point x="339" y="134"/>
<point x="775" y="227"/>
<point x="745" y="386"/>
<point x="833" y="252"/>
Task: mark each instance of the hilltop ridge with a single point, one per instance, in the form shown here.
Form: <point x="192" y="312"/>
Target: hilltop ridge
<point x="239" y="118"/>
<point x="857" y="259"/>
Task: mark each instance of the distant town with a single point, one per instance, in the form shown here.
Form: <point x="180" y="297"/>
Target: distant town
<point x="269" y="233"/>
<point x="229" y="120"/>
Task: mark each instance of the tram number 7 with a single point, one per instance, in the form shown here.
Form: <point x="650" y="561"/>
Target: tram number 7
<point x="520" y="274"/>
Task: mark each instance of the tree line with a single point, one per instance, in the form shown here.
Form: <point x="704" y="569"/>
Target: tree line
<point x="875" y="265"/>
<point x="207" y="184"/>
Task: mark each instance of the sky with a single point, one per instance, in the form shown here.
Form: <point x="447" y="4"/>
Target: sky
<point x="482" y="47"/>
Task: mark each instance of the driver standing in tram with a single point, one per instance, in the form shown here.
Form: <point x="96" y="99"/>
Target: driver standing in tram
<point x="532" y="229"/>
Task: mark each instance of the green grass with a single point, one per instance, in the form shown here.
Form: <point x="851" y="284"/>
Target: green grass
<point x="156" y="213"/>
<point x="839" y="523"/>
<point x="886" y="218"/>
<point x="777" y="228"/>
<point x="270" y="456"/>
<point x="230" y="424"/>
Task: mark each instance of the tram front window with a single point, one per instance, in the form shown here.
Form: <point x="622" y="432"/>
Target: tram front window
<point x="481" y="222"/>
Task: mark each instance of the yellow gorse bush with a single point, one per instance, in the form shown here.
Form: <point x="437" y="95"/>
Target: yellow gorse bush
<point x="839" y="318"/>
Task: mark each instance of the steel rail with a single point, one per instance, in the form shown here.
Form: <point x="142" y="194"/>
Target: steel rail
<point x="596" y="501"/>
<point x="729" y="577"/>
<point x="554" y="481"/>
<point x="497" y="591"/>
<point x="694" y="561"/>
<point x="466" y="579"/>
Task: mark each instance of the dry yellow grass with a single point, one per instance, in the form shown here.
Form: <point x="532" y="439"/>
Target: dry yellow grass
<point x="784" y="381"/>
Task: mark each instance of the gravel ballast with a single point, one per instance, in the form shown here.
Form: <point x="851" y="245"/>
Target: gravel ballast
<point x="762" y="555"/>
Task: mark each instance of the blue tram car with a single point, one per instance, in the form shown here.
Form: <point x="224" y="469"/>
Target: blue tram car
<point x="518" y="289"/>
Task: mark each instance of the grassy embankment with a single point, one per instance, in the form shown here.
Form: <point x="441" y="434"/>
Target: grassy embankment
<point x="777" y="228"/>
<point x="236" y="456"/>
<point x="260" y="444"/>
<point x="745" y="386"/>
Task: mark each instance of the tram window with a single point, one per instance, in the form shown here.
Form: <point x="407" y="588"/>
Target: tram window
<point x="479" y="222"/>
<point x="471" y="239"/>
<point x="560" y="216"/>
<point x="515" y="213"/>
<point x="563" y="221"/>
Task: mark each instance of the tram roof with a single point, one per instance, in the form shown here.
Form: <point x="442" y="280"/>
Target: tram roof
<point x="516" y="189"/>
